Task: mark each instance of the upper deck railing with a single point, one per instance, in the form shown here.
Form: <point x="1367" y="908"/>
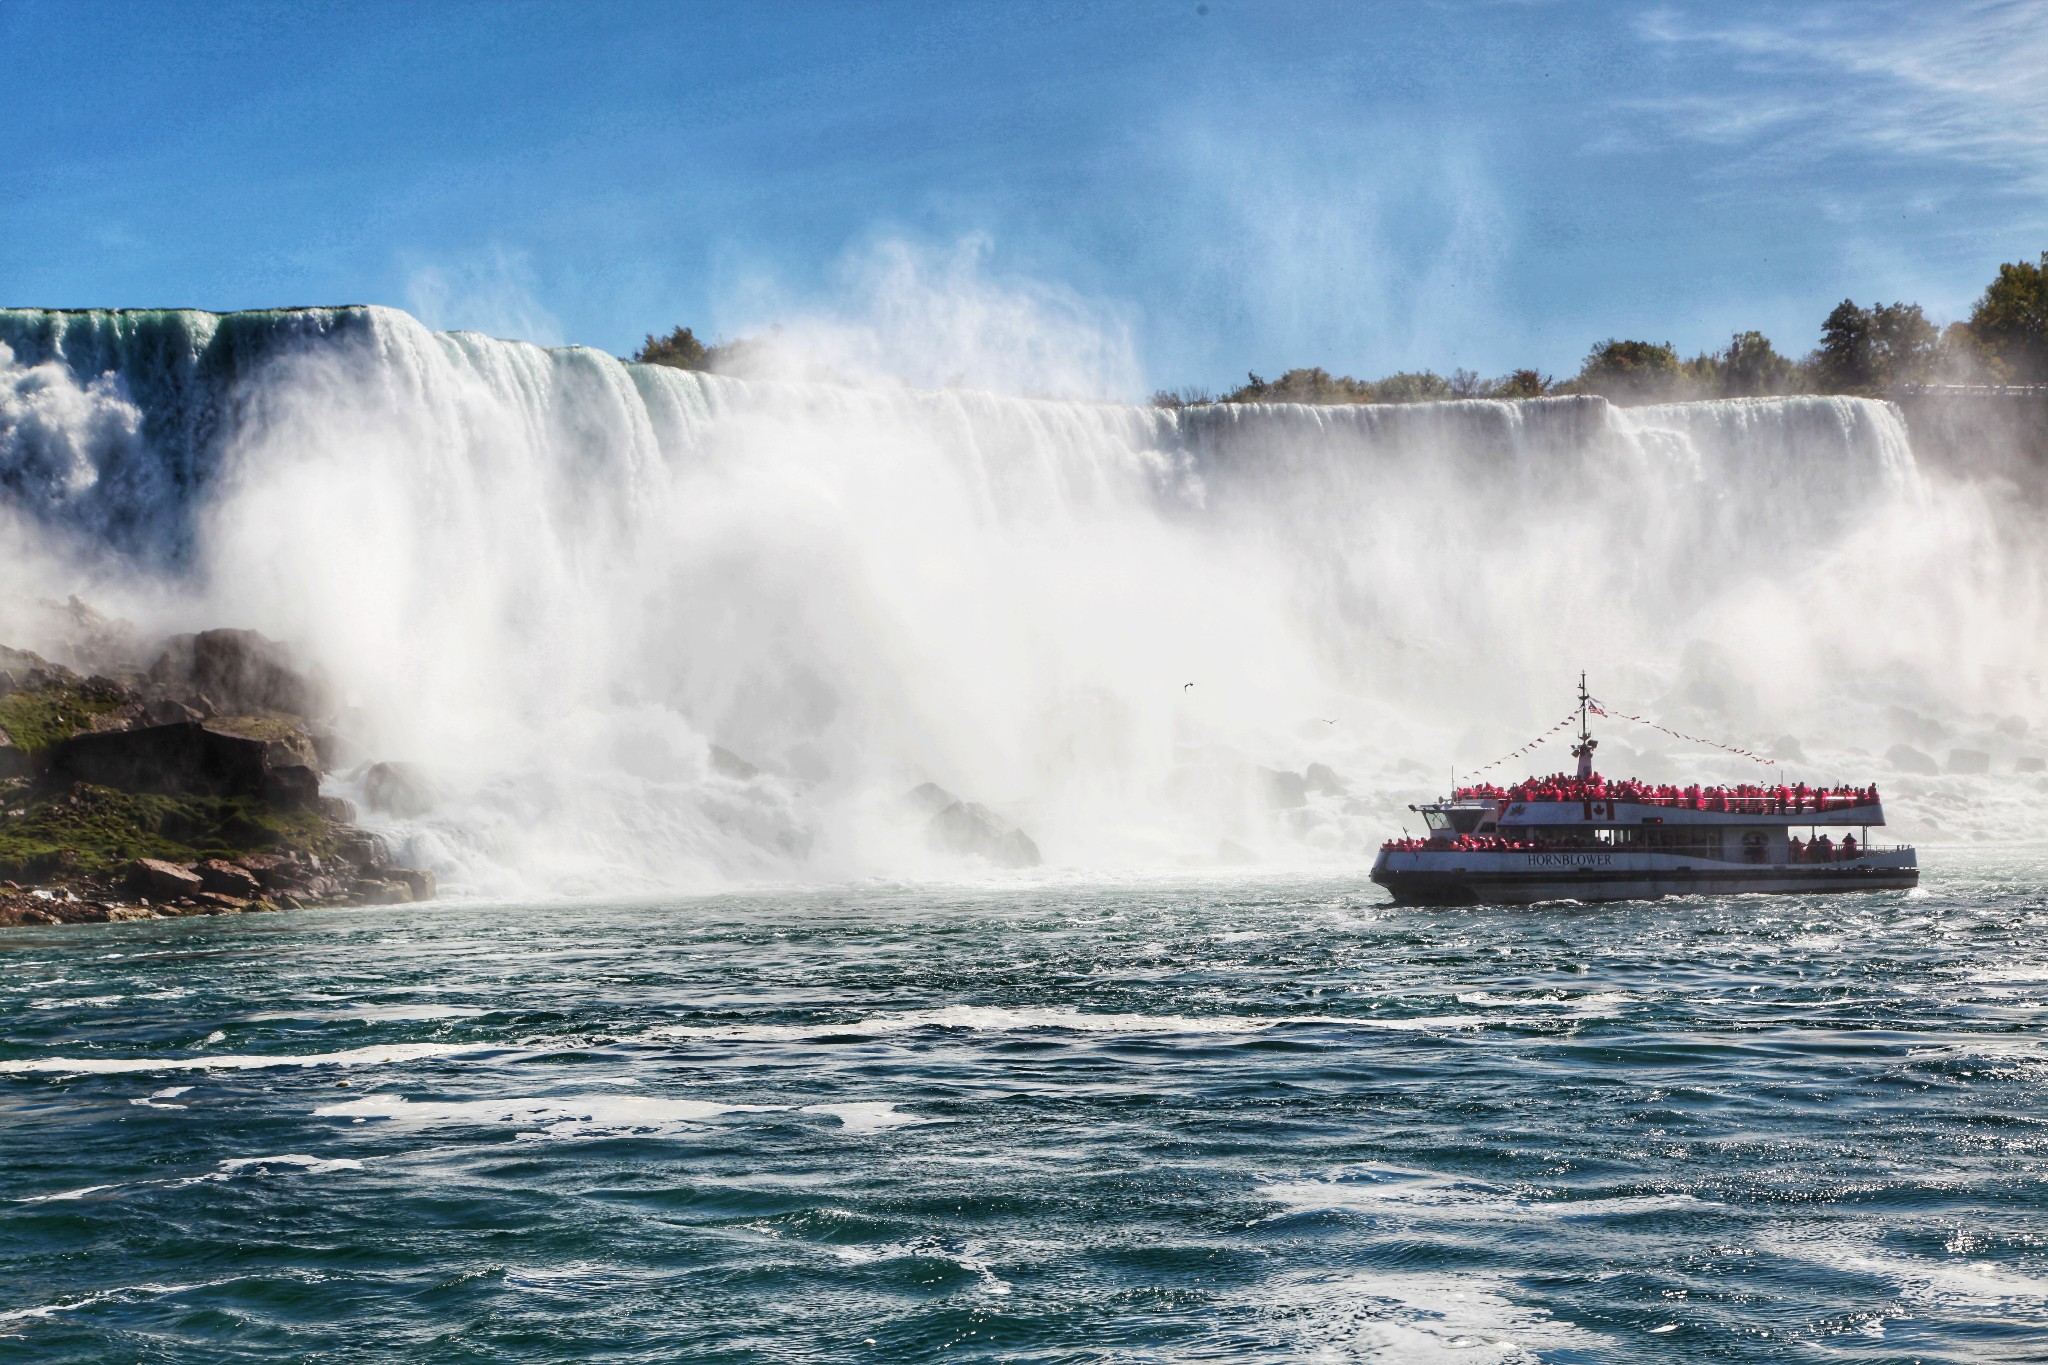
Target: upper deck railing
<point x="1742" y="799"/>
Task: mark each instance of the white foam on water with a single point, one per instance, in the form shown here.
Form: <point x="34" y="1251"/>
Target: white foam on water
<point x="567" y="1116"/>
<point x="125" y="1291"/>
<point x="1957" y="1283"/>
<point x="65" y="1195"/>
<point x="969" y="1258"/>
<point x="1061" y="1018"/>
<point x="76" y="1002"/>
<point x="1386" y="1191"/>
<point x="312" y="1165"/>
<point x="1415" y="1318"/>
<point x="867" y="1116"/>
<point x="390" y="1054"/>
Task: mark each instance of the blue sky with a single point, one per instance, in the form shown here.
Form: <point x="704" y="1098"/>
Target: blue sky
<point x="1223" y="186"/>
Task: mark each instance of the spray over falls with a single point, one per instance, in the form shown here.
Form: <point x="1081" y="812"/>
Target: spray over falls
<point x="642" y="627"/>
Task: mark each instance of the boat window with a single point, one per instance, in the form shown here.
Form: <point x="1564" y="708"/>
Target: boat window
<point x="1436" y="819"/>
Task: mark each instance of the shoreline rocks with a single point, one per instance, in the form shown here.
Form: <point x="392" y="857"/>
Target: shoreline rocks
<point x="189" y="787"/>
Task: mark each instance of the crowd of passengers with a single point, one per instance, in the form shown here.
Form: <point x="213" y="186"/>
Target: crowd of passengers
<point x="1820" y="850"/>
<point x="1743" y="799"/>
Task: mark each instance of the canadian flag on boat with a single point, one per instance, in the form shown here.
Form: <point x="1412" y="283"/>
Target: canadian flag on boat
<point x="1599" y="810"/>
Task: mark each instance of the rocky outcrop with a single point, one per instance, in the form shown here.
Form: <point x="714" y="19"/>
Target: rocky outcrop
<point x="215" y="749"/>
<point x="237" y="672"/>
<point x="965" y="829"/>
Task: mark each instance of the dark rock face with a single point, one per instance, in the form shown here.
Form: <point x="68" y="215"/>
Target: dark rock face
<point x="13" y="762"/>
<point x="1323" y="780"/>
<point x="240" y="672"/>
<point x="929" y="798"/>
<point x="186" y="759"/>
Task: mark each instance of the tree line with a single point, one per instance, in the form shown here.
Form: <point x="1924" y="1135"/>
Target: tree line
<point x="1862" y="351"/>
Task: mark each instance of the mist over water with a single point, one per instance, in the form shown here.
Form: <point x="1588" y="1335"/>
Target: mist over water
<point x="554" y="581"/>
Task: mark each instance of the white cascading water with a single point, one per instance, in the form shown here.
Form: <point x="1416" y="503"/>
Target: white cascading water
<point x="554" y="581"/>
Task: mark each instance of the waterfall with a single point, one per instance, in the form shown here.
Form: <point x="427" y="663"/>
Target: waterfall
<point x="555" y="581"/>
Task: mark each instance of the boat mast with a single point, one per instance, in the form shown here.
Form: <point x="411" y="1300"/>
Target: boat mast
<point x="1583" y="750"/>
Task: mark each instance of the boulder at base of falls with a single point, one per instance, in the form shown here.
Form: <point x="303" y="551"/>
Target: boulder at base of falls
<point x="1908" y="759"/>
<point x="964" y="828"/>
<point x="163" y="880"/>
<point x="229" y="879"/>
<point x="1322" y="779"/>
<point x="398" y="789"/>
<point x="1971" y="761"/>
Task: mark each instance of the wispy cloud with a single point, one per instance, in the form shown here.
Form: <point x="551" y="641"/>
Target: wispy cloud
<point x="1961" y="82"/>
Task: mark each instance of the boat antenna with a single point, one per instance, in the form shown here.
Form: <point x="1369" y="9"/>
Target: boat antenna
<point x="1583" y="750"/>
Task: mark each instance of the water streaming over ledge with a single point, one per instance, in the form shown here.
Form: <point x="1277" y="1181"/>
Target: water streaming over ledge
<point x="555" y="580"/>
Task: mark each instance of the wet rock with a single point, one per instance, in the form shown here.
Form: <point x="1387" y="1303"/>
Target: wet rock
<point x="214" y="903"/>
<point x="275" y="871"/>
<point x="418" y="881"/>
<point x="1969" y="761"/>
<point x="2029" y="765"/>
<point x="338" y="809"/>
<point x="1907" y="759"/>
<point x="1788" y="749"/>
<point x="1323" y="780"/>
<point x="363" y="851"/>
<point x="155" y="877"/>
<point x="967" y="829"/>
<point x="929" y="798"/>
<point x="398" y="789"/>
<point x="2013" y="726"/>
<point x="13" y="762"/>
<point x="229" y="879"/>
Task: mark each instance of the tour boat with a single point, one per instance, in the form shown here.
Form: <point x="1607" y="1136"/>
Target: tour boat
<point x="1591" y="838"/>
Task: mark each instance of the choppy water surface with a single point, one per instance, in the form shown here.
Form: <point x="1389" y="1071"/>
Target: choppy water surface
<point x="1218" y="1120"/>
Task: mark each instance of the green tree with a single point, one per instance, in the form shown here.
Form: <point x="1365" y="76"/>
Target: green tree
<point x="1423" y="386"/>
<point x="1751" y="367"/>
<point x="1867" y="350"/>
<point x="1630" y="372"/>
<point x="1314" y="385"/>
<point x="679" y="349"/>
<point x="1519" y="384"/>
<point x="2011" y="320"/>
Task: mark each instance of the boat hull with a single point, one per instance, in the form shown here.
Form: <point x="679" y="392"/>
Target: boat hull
<point x="1432" y="878"/>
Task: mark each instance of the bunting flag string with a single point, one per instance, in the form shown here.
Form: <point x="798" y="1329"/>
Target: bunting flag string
<point x="1600" y="708"/>
<point x="1568" y="720"/>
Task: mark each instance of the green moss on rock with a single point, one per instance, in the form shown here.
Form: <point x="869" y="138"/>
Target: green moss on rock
<point x="36" y="718"/>
<point x="96" y="831"/>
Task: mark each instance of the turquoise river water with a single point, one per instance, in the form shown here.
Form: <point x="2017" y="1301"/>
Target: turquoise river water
<point x="1250" y="1119"/>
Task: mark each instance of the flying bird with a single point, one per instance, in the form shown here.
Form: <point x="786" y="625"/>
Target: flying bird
<point x="1329" y="722"/>
<point x="1186" y="686"/>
